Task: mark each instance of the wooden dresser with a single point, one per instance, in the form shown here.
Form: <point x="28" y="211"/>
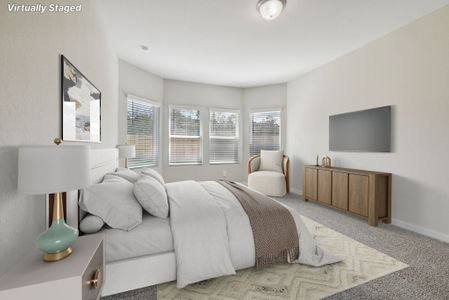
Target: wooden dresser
<point x="363" y="193"/>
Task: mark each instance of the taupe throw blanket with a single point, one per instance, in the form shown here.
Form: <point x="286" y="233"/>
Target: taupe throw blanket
<point x="275" y="235"/>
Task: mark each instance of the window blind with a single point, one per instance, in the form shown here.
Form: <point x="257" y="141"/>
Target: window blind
<point x="185" y="146"/>
<point x="223" y="137"/>
<point x="143" y="132"/>
<point x="265" y="129"/>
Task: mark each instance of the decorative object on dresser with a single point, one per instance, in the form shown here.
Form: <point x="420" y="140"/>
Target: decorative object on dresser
<point x="126" y="152"/>
<point x="326" y="162"/>
<point x="79" y="277"/>
<point x="363" y="193"/>
<point x="81" y="105"/>
<point x="268" y="173"/>
<point x="54" y="169"/>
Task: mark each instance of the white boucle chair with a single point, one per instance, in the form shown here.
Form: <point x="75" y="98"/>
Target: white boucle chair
<point x="273" y="178"/>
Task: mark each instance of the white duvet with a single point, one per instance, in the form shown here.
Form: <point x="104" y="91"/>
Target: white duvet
<point x="213" y="237"/>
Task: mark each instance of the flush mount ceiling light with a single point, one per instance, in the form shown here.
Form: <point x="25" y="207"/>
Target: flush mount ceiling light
<point x="270" y="9"/>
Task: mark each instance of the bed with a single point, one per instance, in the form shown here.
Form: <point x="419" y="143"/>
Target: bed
<point x="161" y="250"/>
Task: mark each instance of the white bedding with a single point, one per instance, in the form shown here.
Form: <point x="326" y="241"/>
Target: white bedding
<point x="153" y="236"/>
<point x="213" y="237"/>
<point x="200" y="234"/>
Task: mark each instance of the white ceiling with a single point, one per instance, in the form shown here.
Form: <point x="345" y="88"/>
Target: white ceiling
<point x="226" y="42"/>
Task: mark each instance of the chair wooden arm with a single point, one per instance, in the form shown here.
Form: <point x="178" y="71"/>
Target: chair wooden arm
<point x="286" y="167"/>
<point x="250" y="161"/>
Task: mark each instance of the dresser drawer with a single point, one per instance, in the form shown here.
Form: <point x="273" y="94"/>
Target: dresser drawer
<point x="93" y="276"/>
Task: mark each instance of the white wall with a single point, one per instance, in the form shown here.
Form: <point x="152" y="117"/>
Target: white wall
<point x="408" y="69"/>
<point x="203" y="96"/>
<point x="270" y="96"/>
<point x="30" y="104"/>
<point x="137" y="82"/>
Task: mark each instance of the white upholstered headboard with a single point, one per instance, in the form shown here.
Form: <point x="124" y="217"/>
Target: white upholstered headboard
<point x="102" y="161"/>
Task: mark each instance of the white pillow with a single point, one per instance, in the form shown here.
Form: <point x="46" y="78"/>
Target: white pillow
<point x="271" y="160"/>
<point x="114" y="202"/>
<point x="91" y="224"/>
<point x="153" y="173"/>
<point x="152" y="196"/>
<point x="130" y="175"/>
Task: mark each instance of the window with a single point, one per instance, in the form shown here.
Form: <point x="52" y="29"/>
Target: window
<point x="265" y="129"/>
<point x="143" y="131"/>
<point x="185" y="136"/>
<point x="223" y="136"/>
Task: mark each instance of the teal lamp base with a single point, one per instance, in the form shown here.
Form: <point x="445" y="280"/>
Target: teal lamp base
<point x="56" y="241"/>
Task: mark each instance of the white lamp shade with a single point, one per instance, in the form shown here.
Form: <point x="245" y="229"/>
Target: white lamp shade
<point x="126" y="151"/>
<point x="52" y="169"/>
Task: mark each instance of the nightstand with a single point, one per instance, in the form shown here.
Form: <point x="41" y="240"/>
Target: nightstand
<point x="77" y="277"/>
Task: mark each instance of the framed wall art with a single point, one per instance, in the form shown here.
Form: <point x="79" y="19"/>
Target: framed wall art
<point x="81" y="105"/>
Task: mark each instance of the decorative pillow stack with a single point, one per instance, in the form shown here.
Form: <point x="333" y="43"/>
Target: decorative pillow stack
<point x="114" y="202"/>
<point x="119" y="199"/>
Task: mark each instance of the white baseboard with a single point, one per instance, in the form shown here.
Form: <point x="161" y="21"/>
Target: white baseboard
<point x="412" y="227"/>
<point x="421" y="230"/>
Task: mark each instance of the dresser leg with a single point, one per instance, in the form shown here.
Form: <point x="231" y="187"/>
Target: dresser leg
<point x="373" y="221"/>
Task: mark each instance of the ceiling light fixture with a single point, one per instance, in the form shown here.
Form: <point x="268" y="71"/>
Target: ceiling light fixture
<point x="144" y="48"/>
<point x="270" y="9"/>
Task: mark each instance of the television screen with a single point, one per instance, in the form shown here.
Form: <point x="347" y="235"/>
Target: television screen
<point x="361" y="131"/>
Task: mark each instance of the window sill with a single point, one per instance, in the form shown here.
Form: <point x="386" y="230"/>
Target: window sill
<point x="184" y="164"/>
<point x="142" y="167"/>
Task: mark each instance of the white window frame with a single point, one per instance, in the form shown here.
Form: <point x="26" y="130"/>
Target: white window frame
<point x="237" y="137"/>
<point x="187" y="107"/>
<point x="260" y="110"/>
<point x="157" y="150"/>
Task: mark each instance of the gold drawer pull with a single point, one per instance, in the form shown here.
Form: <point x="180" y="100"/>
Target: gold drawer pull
<point x="96" y="279"/>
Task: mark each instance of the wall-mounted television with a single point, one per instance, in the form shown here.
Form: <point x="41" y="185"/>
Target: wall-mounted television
<point x="361" y="131"/>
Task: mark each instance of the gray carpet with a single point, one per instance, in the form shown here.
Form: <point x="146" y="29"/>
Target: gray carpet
<point x="426" y="278"/>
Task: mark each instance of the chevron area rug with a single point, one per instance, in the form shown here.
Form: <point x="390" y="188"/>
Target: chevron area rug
<point x="361" y="264"/>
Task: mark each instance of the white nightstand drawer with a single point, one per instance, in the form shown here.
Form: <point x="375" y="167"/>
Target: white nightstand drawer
<point x="68" y="279"/>
<point x="92" y="280"/>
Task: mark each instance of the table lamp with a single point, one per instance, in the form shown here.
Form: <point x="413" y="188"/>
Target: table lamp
<point x="126" y="151"/>
<point x="54" y="169"/>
